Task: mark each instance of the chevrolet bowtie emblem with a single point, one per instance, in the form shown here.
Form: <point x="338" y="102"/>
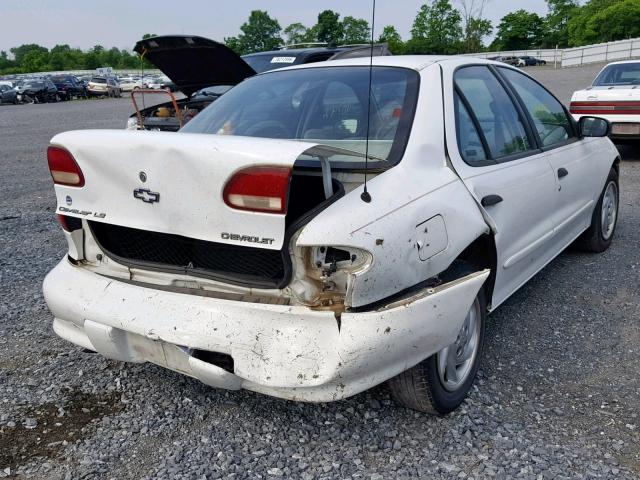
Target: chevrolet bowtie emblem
<point x="146" y="195"/>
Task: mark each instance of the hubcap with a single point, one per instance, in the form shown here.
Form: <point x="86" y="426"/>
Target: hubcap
<point x="609" y="212"/>
<point x="455" y="361"/>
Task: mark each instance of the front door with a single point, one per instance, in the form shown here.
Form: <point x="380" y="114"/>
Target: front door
<point x="573" y="160"/>
<point x="497" y="157"/>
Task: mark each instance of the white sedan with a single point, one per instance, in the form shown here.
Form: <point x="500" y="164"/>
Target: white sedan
<point x="614" y="95"/>
<point x="128" y="84"/>
<point x="247" y="251"/>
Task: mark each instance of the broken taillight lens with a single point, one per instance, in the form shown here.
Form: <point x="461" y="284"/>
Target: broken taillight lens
<point x="259" y="189"/>
<point x="63" y="167"/>
<point x="69" y="224"/>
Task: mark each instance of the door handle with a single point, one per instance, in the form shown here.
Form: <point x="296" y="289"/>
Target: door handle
<point x="562" y="172"/>
<point x="490" y="200"/>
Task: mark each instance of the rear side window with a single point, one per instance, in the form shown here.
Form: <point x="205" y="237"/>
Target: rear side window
<point x="548" y="115"/>
<point x="499" y="120"/>
<point x="469" y="142"/>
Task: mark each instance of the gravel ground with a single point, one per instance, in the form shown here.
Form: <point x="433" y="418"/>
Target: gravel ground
<point x="558" y="395"/>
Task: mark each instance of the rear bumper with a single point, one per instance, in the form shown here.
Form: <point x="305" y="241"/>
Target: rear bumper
<point x="284" y="351"/>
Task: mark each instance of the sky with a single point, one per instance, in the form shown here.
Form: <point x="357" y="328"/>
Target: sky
<point x="120" y="23"/>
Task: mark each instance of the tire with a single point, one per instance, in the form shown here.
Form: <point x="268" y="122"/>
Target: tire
<point x="598" y="237"/>
<point x="423" y="387"/>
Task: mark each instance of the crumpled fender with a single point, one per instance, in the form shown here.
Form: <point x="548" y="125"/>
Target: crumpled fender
<point x="391" y="227"/>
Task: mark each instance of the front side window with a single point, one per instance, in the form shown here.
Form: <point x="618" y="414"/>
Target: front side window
<point x="326" y="105"/>
<point x="499" y="120"/>
<point x="548" y="115"/>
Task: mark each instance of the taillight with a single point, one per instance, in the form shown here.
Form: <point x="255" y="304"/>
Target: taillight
<point x="259" y="189"/>
<point x="63" y="167"/>
<point x="623" y="107"/>
<point x="69" y="224"/>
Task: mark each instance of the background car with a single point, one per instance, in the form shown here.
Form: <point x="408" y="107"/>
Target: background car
<point x="615" y="96"/>
<point x="157" y="82"/>
<point x="68" y="87"/>
<point x="297" y="55"/>
<point x="127" y="84"/>
<point x="8" y="94"/>
<point x="528" y="61"/>
<point x="40" y="90"/>
<point x="513" y="61"/>
<point x="104" y="86"/>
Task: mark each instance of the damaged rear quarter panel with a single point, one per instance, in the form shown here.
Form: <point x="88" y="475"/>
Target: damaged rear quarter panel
<point x="386" y="227"/>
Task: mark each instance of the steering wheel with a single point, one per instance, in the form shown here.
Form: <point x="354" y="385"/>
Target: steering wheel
<point x="268" y="129"/>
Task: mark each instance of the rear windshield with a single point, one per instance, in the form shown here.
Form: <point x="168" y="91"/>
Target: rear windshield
<point x="621" y="74"/>
<point x="98" y="80"/>
<point x="61" y="79"/>
<point x="326" y="105"/>
<point x="34" y="85"/>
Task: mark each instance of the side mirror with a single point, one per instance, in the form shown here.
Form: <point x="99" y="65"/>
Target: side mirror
<point x="594" y="127"/>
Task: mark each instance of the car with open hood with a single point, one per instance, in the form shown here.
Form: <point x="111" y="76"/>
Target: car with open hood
<point x="194" y="63"/>
<point x="614" y="95"/>
<point x="324" y="228"/>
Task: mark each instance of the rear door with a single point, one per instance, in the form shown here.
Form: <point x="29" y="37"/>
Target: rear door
<point x="574" y="161"/>
<point x="494" y="151"/>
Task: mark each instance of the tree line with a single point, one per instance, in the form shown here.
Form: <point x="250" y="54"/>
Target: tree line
<point x="440" y="27"/>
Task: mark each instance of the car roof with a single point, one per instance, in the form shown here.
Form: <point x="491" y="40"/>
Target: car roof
<point x="414" y="62"/>
<point x="622" y="62"/>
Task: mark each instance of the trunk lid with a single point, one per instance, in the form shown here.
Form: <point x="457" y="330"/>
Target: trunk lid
<point x="173" y="183"/>
<point x="604" y="94"/>
<point x="193" y="62"/>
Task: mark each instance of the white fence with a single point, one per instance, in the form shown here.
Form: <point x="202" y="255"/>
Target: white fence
<point x="573" y="57"/>
<point x="603" y="52"/>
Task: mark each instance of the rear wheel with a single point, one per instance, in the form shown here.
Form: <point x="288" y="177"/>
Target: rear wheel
<point x="598" y="237"/>
<point x="439" y="384"/>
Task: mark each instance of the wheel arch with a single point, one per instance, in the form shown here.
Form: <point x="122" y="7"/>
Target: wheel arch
<point x="481" y="254"/>
<point x="616" y="164"/>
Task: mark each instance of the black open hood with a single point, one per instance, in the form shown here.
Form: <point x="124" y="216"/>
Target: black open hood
<point x="193" y="62"/>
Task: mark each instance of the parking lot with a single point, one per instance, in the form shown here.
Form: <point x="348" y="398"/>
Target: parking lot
<point x="558" y="395"/>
